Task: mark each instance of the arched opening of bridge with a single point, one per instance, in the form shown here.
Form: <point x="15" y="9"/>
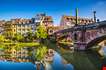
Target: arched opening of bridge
<point x="98" y="48"/>
<point x="98" y="45"/>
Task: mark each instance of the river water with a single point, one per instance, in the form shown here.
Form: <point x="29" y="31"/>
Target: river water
<point x="80" y="61"/>
<point x="57" y="64"/>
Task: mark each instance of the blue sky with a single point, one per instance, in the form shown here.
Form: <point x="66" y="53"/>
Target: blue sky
<point x="56" y="8"/>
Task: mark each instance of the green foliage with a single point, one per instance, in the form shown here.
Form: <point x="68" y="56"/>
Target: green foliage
<point x="29" y="36"/>
<point x="2" y="38"/>
<point x="32" y="44"/>
<point x="2" y="47"/>
<point x="18" y="37"/>
<point x="28" y="44"/>
<point x="40" y="53"/>
<point x="41" y="32"/>
<point x="7" y="41"/>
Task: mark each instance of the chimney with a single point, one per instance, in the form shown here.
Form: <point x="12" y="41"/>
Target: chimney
<point x="94" y="12"/>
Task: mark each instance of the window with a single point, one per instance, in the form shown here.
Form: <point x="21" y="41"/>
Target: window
<point x="67" y="18"/>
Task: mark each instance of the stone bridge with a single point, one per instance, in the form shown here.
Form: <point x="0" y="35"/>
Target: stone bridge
<point x="84" y="36"/>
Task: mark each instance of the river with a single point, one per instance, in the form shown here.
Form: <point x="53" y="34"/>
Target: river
<point x="57" y="64"/>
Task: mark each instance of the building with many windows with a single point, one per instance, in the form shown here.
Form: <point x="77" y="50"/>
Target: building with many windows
<point x="2" y="22"/>
<point x="40" y="19"/>
<point x="48" y="21"/>
<point x="70" y="21"/>
<point x="43" y="19"/>
<point x="53" y="29"/>
<point x="23" y="26"/>
<point x="8" y="29"/>
<point x="20" y="26"/>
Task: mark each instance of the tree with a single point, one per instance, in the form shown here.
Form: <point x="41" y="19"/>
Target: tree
<point x="18" y="37"/>
<point x="29" y="36"/>
<point x="41" y="33"/>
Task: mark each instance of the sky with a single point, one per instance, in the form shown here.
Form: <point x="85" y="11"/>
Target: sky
<point x="10" y="9"/>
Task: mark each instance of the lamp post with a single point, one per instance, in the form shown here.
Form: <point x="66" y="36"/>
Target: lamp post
<point x="94" y="12"/>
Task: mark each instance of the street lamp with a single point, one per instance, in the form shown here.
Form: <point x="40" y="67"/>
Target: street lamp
<point x="94" y="16"/>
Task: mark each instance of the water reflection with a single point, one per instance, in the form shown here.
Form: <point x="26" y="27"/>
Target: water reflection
<point x="57" y="64"/>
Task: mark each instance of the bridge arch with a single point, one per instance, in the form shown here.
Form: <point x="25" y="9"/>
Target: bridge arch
<point x="95" y="41"/>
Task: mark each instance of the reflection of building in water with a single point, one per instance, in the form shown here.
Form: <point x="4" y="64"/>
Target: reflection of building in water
<point x="49" y="56"/>
<point x="102" y="50"/>
<point x="48" y="66"/>
<point x="102" y="43"/>
<point x="1" y="51"/>
<point x="22" y="53"/>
